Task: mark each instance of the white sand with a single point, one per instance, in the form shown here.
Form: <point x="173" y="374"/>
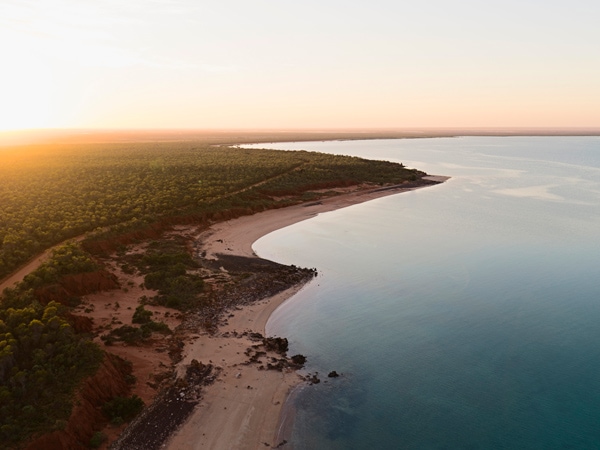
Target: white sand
<point x="241" y="410"/>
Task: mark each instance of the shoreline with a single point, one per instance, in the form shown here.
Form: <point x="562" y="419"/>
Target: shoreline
<point x="243" y="408"/>
<point x="236" y="236"/>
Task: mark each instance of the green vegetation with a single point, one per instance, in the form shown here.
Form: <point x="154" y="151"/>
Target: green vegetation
<point x="41" y="361"/>
<point x="42" y="358"/>
<point x="52" y="193"/>
<point x="142" y="315"/>
<point x="49" y="194"/>
<point x="135" y="335"/>
<point x="168" y="268"/>
<point x="122" y="409"/>
<point x="97" y="439"/>
<point x="66" y="259"/>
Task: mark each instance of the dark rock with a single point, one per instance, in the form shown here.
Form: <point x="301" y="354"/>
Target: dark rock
<point x="276" y="344"/>
<point x="298" y="360"/>
<point x="255" y="336"/>
<point x="314" y="379"/>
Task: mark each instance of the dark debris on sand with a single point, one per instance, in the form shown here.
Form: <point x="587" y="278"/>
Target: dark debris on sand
<point x="169" y="411"/>
<point x="152" y="429"/>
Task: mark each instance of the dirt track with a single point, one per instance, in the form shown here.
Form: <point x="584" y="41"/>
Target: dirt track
<point x="33" y="264"/>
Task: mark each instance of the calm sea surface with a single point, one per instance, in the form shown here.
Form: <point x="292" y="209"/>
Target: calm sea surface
<point x="462" y="316"/>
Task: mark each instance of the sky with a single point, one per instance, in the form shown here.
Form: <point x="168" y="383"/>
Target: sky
<point x="289" y="64"/>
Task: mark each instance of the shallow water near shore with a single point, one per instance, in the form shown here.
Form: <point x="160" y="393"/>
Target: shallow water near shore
<point x="464" y="315"/>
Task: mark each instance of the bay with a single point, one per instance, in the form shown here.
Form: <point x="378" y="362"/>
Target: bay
<point x="465" y="315"/>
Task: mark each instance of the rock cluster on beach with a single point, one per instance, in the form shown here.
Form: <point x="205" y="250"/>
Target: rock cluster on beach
<point x="251" y="280"/>
<point x="170" y="409"/>
<point x="259" y="353"/>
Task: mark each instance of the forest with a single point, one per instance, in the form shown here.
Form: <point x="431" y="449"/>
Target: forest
<point x="53" y="193"/>
<point x="42" y="356"/>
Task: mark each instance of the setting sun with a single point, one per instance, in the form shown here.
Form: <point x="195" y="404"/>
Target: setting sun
<point x="187" y="65"/>
<point x="26" y="91"/>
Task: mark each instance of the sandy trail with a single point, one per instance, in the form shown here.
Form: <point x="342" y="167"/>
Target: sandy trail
<point x="34" y="263"/>
<point x="18" y="276"/>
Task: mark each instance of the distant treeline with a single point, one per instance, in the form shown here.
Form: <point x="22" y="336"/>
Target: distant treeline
<point x="52" y="193"/>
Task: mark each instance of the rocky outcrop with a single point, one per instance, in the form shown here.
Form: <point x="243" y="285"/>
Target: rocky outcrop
<point x="86" y="417"/>
<point x="276" y="344"/>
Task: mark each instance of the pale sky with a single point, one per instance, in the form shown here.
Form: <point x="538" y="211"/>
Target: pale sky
<point x="299" y="64"/>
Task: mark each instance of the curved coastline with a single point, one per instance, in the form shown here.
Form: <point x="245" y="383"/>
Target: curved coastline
<point x="244" y="408"/>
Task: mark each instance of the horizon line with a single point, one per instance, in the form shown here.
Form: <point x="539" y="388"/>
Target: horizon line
<point x="262" y="135"/>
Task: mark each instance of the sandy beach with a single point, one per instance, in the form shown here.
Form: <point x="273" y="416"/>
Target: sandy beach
<point x="235" y="237"/>
<point x="241" y="409"/>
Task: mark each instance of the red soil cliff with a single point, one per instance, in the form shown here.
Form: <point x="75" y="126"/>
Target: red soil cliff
<point x="86" y="417"/>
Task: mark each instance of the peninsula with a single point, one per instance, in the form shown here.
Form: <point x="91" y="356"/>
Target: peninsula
<point x="160" y="289"/>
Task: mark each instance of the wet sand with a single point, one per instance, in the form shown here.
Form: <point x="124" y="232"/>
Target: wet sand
<point x="241" y="410"/>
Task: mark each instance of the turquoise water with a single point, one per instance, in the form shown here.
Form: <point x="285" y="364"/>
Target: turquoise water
<point x="462" y="316"/>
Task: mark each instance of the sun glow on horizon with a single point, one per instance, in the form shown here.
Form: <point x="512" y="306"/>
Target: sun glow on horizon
<point x="26" y="96"/>
<point x="178" y="64"/>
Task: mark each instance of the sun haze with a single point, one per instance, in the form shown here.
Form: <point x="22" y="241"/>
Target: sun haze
<point x="331" y="64"/>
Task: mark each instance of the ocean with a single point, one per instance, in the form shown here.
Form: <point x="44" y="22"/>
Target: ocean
<point x="460" y="316"/>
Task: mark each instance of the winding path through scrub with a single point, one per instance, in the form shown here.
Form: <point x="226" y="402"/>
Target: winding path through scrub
<point x="34" y="263"/>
